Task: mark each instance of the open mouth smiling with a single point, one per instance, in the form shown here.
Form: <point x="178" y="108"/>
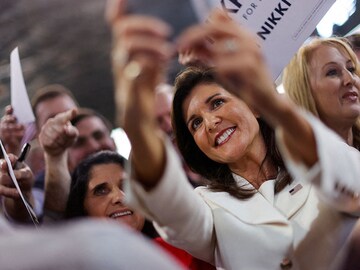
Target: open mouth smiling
<point x="224" y="136"/>
<point x="121" y="214"/>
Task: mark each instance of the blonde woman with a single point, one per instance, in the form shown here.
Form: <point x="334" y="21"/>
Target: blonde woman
<point x="323" y="78"/>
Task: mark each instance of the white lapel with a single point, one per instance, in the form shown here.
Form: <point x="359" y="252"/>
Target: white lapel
<point x="256" y="210"/>
<point x="292" y="198"/>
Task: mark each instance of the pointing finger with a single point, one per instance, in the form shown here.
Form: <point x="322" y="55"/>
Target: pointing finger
<point x="115" y="9"/>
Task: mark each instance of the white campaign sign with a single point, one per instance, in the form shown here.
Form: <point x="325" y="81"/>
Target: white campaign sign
<point x="282" y="25"/>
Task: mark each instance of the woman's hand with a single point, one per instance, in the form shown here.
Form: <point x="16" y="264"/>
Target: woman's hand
<point x="141" y="52"/>
<point x="236" y="54"/>
<point x="140" y="55"/>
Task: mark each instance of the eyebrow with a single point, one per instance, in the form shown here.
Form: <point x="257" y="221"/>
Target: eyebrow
<point x="211" y="97"/>
<point x="104" y="184"/>
<point x="206" y="102"/>
<point x="99" y="186"/>
<point x="349" y="61"/>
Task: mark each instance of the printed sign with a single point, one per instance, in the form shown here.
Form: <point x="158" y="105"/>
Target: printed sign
<point x="282" y="25"/>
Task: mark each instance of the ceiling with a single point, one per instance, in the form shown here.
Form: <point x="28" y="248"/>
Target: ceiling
<point x="59" y="42"/>
<point x="67" y="43"/>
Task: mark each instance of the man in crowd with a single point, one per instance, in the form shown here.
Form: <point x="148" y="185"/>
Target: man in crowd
<point x="46" y="103"/>
<point x="66" y="139"/>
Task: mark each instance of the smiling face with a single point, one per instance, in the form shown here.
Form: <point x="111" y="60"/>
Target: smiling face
<point x="223" y="127"/>
<point x="332" y="76"/>
<point x="105" y="199"/>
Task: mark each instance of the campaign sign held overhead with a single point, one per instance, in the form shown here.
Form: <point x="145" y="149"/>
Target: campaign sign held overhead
<point x="281" y="25"/>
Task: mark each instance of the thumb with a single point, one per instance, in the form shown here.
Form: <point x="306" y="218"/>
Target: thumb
<point x="114" y="10"/>
<point x="70" y="130"/>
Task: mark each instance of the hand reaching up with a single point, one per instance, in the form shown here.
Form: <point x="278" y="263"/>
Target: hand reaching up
<point x="11" y="132"/>
<point x="58" y="134"/>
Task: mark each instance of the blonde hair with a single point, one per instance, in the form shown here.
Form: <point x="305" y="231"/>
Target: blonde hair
<point x="296" y="77"/>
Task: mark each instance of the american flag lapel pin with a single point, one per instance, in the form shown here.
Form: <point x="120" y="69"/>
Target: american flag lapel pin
<point x="295" y="189"/>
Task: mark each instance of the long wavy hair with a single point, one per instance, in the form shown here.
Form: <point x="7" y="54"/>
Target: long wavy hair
<point x="296" y="77"/>
<point x="219" y="175"/>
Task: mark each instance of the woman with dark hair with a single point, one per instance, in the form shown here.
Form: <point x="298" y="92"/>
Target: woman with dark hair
<point x="219" y="173"/>
<point x="96" y="191"/>
<point x="252" y="215"/>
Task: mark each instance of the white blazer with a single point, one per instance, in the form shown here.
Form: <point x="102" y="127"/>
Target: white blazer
<point x="293" y="229"/>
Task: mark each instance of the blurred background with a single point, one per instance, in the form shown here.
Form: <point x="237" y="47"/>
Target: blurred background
<point x="68" y="42"/>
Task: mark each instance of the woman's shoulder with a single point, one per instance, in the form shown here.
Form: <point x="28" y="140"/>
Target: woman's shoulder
<point x="203" y="190"/>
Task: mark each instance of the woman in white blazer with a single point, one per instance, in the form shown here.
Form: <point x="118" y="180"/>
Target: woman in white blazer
<point x="253" y="216"/>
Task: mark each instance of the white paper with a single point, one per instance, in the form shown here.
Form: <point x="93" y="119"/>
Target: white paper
<point x="282" y="25"/>
<point x="19" y="97"/>
<point x="16" y="184"/>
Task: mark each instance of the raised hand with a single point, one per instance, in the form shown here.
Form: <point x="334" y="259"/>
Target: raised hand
<point x="11" y="132"/>
<point x="23" y="175"/>
<point x="58" y="134"/>
<point x="12" y="203"/>
<point x="141" y="52"/>
<point x="236" y="55"/>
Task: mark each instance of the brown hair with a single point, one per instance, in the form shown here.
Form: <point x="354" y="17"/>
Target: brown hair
<point x="49" y="92"/>
<point x="354" y="40"/>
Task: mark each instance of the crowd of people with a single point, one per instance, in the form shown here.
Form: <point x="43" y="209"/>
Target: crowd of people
<point x="224" y="172"/>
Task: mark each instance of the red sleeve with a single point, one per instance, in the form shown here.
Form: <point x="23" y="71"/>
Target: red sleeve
<point x="183" y="257"/>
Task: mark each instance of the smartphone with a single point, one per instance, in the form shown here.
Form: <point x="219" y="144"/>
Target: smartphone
<point x="178" y="14"/>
